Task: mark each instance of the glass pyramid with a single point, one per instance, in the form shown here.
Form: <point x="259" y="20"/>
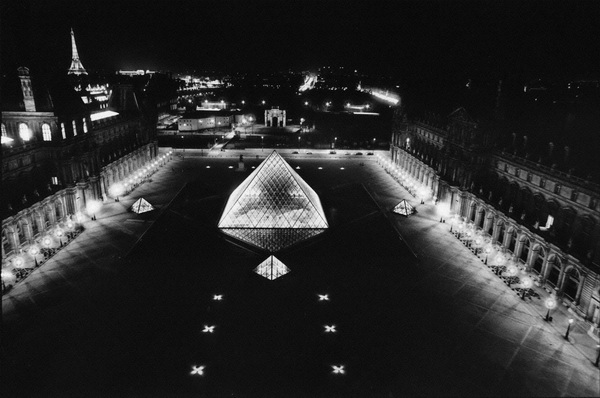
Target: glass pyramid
<point x="273" y="208"/>
<point x="141" y="206"/>
<point x="404" y="208"/>
<point x="271" y="268"/>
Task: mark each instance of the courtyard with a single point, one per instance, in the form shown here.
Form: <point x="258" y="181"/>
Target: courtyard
<point x="163" y="303"/>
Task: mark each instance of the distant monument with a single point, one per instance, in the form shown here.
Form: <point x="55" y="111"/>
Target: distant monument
<point x="76" y="66"/>
<point x="275" y="117"/>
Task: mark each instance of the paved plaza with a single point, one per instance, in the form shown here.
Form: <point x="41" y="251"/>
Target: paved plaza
<point x="164" y="304"/>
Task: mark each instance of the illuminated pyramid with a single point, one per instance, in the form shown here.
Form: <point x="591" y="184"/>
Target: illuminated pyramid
<point x="271" y="268"/>
<point x="141" y="206"/>
<point x="273" y="208"/>
<point x="404" y="208"/>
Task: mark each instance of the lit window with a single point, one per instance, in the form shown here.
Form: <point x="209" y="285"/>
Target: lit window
<point x="54" y="180"/>
<point x="24" y="132"/>
<point x="46" y="133"/>
<point x="63" y="131"/>
<point x="85" y="130"/>
<point x="74" y="128"/>
<point x="4" y="133"/>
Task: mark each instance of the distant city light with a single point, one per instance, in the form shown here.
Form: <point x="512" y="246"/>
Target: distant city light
<point x="6" y="140"/>
<point x="338" y="369"/>
<point x="386" y="97"/>
<point x="208" y="329"/>
<point x="323" y="297"/>
<point x="330" y="329"/>
<point x="102" y="115"/>
<point x="197" y="370"/>
<point x="218" y="297"/>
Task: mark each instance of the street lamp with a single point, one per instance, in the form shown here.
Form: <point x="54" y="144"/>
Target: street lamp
<point x="569" y="328"/>
<point x="117" y="190"/>
<point x="92" y="207"/>
<point x="512" y="271"/>
<point x="443" y="210"/>
<point x="550" y="303"/>
<point x="527" y="283"/>
<point x="262" y="140"/>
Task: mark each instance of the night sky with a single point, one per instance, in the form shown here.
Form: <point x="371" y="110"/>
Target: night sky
<point x="408" y="38"/>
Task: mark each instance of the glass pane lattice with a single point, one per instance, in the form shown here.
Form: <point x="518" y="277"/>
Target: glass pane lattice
<point x="273" y="208"/>
<point x="271" y="268"/>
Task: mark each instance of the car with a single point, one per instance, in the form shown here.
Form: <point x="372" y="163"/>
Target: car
<point x="358" y="153"/>
<point x="309" y="153"/>
<point x="295" y="153"/>
<point x="370" y="153"/>
<point x="332" y="152"/>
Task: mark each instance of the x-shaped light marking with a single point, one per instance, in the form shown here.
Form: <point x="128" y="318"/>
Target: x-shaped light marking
<point x="330" y="329"/>
<point x="338" y="369"/>
<point x="197" y="370"/>
<point x="323" y="297"/>
<point x="218" y="297"/>
<point x="208" y="329"/>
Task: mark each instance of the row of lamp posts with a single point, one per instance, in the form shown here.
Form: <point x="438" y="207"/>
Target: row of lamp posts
<point x="477" y="243"/>
<point x="501" y="263"/>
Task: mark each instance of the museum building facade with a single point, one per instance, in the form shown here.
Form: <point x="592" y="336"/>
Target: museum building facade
<point x="545" y="220"/>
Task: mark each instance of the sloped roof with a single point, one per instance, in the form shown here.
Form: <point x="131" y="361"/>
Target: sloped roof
<point x="272" y="268"/>
<point x="404" y="208"/>
<point x="273" y="208"/>
<point x="141" y="206"/>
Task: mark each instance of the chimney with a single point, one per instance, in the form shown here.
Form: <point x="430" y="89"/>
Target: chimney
<point x="28" y="99"/>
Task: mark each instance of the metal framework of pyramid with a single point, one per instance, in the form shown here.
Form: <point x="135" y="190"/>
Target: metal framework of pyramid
<point x="273" y="208"/>
<point x="141" y="206"/>
<point x="404" y="208"/>
<point x="272" y="268"/>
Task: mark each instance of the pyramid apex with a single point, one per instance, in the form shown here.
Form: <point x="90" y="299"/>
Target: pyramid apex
<point x="273" y="207"/>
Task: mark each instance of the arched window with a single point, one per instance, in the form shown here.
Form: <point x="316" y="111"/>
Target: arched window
<point x="74" y="124"/>
<point x="24" y="132"/>
<point x="4" y="132"/>
<point x="500" y="236"/>
<point x="481" y="220"/>
<point x="85" y="130"/>
<point x="525" y="250"/>
<point x="554" y="272"/>
<point x="63" y="131"/>
<point x="512" y="243"/>
<point x="539" y="260"/>
<point x="571" y="284"/>
<point x="46" y="133"/>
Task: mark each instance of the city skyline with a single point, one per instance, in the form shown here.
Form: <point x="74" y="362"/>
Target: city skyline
<point x="409" y="39"/>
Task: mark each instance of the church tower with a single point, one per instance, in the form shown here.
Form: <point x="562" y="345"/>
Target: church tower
<point x="76" y="66"/>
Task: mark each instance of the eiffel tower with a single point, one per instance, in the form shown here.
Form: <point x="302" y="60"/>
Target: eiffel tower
<point x="76" y="66"/>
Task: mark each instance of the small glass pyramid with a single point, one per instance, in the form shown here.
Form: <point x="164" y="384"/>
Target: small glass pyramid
<point x="271" y="268"/>
<point x="404" y="208"/>
<point x="273" y="208"/>
<point x="141" y="206"/>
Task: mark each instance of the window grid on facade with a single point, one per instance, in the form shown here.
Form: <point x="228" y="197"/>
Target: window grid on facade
<point x="46" y="132"/>
<point x="54" y="180"/>
<point x="74" y="127"/>
<point x="24" y="132"/>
